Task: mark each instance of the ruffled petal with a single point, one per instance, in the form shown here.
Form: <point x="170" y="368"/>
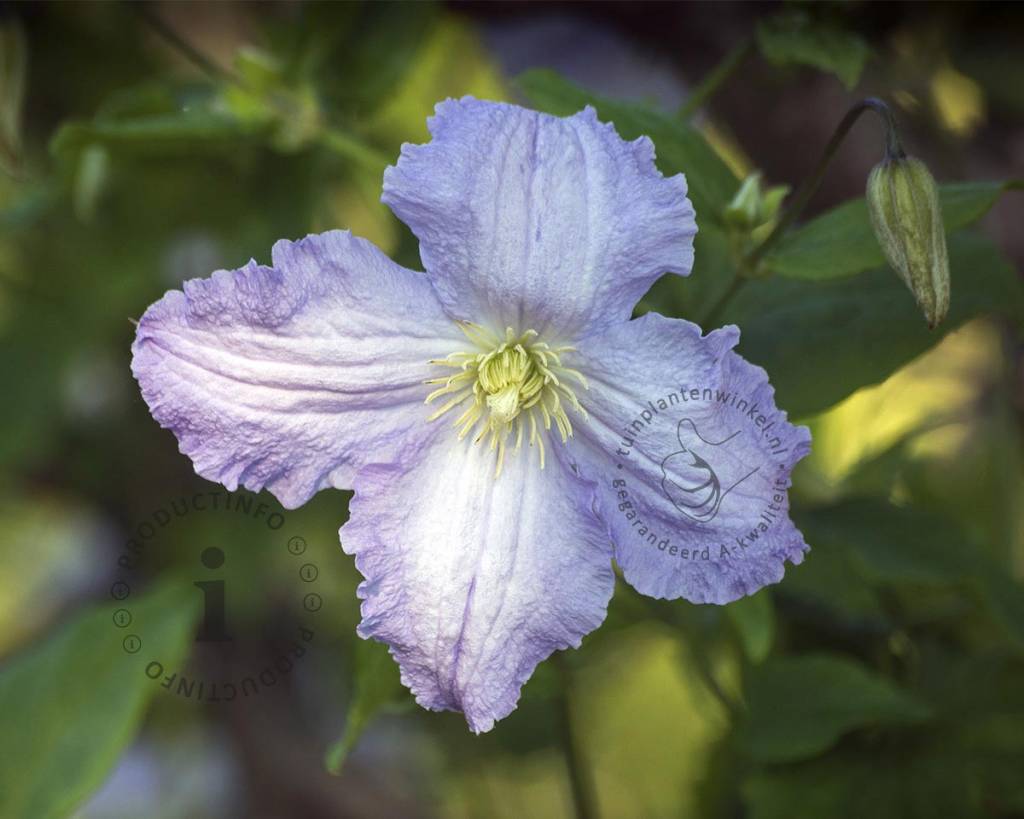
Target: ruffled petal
<point x="534" y="221"/>
<point x="289" y="377"/>
<point x="692" y="460"/>
<point x="471" y="580"/>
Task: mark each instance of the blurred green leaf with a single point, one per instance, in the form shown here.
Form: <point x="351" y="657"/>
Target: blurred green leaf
<point x="377" y="690"/>
<point x="157" y="133"/>
<point x="694" y="296"/>
<point x="90" y="179"/>
<point x="842" y="242"/>
<point x="822" y="340"/>
<point x="976" y="736"/>
<point x="925" y="780"/>
<point x="265" y="97"/>
<point x="680" y="148"/>
<point x="72" y="703"/>
<point x="367" y="41"/>
<point x="800" y="706"/>
<point x="13" y="66"/>
<point x="753" y="618"/>
<point x="828" y="585"/>
<point x="900" y="545"/>
<point x="892" y="543"/>
<point x="795" y="37"/>
<point x="447" y="61"/>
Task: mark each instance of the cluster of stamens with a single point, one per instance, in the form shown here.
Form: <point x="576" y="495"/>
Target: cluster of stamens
<point x="516" y="387"/>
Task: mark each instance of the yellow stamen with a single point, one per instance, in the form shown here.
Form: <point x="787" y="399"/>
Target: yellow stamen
<point x="506" y="379"/>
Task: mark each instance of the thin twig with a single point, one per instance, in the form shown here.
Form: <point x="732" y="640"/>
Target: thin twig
<point x="710" y="85"/>
<point x="581" y="782"/>
<point x="893" y="150"/>
<point x="194" y="55"/>
<point x="711" y="318"/>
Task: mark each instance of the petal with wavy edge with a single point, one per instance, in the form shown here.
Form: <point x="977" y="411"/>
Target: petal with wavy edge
<point x="288" y="377"/>
<point x="692" y="460"/>
<point x="473" y="581"/>
<point x="534" y="221"/>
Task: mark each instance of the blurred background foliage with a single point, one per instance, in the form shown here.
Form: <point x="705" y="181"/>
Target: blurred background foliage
<point x="142" y="145"/>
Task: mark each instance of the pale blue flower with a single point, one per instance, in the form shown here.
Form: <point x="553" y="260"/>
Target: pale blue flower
<point x="487" y="544"/>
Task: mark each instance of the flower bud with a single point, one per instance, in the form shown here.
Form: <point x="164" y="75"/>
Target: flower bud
<point x="753" y="207"/>
<point x="742" y="211"/>
<point x="903" y="202"/>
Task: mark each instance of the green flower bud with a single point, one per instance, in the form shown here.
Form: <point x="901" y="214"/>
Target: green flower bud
<point x="753" y="207"/>
<point x="744" y="209"/>
<point x="903" y="202"/>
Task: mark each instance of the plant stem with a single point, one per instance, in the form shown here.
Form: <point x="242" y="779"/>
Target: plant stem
<point x="893" y="150"/>
<point x="710" y="85"/>
<point x="581" y="783"/>
<point x="352" y="148"/>
<point x="330" y="137"/>
<point x="194" y="55"/>
<point x="710" y="319"/>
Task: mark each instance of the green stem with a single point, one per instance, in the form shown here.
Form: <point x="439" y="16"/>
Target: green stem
<point x="349" y="147"/>
<point x="200" y="60"/>
<point x="710" y="85"/>
<point x="338" y="141"/>
<point x="893" y="150"/>
<point x="711" y="318"/>
<point x="584" y="796"/>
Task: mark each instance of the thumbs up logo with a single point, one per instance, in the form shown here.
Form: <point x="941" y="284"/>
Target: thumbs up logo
<point x="700" y="475"/>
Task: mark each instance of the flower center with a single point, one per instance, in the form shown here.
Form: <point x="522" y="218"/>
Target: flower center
<point x="514" y="386"/>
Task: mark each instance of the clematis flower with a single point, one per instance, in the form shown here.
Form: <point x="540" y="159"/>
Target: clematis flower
<point x="505" y="425"/>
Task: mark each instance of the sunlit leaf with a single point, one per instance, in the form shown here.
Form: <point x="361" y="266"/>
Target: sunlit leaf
<point x="448" y="61"/>
<point x="800" y="706"/>
<point x="73" y="702"/>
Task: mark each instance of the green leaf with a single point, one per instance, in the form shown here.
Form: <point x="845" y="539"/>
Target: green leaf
<point x="74" y="702"/>
<point x="901" y="545"/>
<point x="822" y="340"/>
<point x="754" y="620"/>
<point x="157" y="133"/>
<point x="692" y="297"/>
<point x="842" y="242"/>
<point x="926" y="779"/>
<point x="793" y="37"/>
<point x="13" y="70"/>
<point x="891" y="543"/>
<point x="800" y="706"/>
<point x="377" y="690"/>
<point x="830" y="588"/>
<point x="680" y="148"/>
<point x="976" y="735"/>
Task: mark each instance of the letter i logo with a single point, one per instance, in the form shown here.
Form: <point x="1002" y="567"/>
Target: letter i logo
<point x="213" y="628"/>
